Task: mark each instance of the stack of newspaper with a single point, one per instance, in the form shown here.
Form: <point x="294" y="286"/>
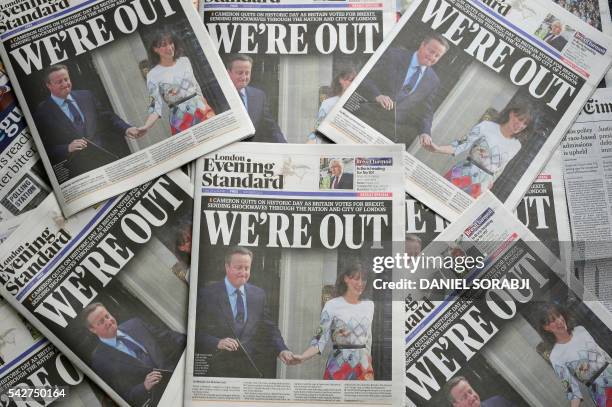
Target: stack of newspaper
<point x="452" y="247"/>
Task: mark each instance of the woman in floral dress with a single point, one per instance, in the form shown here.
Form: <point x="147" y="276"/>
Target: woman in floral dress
<point x="171" y="82"/>
<point x="346" y="322"/>
<point x="490" y="145"/>
<point x="576" y="357"/>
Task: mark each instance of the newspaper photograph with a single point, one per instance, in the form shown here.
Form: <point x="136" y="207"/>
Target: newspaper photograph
<point x="596" y="13"/>
<point x="506" y="330"/>
<point x="291" y="60"/>
<point x="108" y="287"/>
<point x="23" y="182"/>
<point x="593" y="12"/>
<point x="29" y="363"/>
<point x="478" y="97"/>
<point x="587" y="164"/>
<point x="594" y="274"/>
<point x="282" y="309"/>
<point x="117" y="93"/>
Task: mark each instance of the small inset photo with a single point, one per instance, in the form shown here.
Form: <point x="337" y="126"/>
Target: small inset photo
<point x="554" y="32"/>
<point x="336" y="173"/>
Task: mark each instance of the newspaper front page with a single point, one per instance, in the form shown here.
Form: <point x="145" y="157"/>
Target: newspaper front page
<point x="587" y="159"/>
<point x="587" y="153"/>
<point x="596" y="13"/>
<point x="294" y="230"/>
<point x="117" y="93"/>
<point x="506" y="331"/>
<point x="543" y="210"/>
<point x="479" y="97"/>
<point x="292" y="59"/>
<point x="23" y="182"/>
<point x="29" y="364"/>
<point x="108" y="286"/>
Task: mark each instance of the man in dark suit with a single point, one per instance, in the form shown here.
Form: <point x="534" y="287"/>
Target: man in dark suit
<point x="400" y="90"/>
<point x="76" y="131"/>
<point x="555" y="37"/>
<point x="340" y="179"/>
<point x="266" y="129"/>
<point x="461" y="394"/>
<point x="134" y="357"/>
<point x="233" y="326"/>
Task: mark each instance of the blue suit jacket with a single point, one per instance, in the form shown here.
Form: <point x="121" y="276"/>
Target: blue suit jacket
<point x="387" y="78"/>
<point x="126" y="374"/>
<point x="102" y="127"/>
<point x="497" y="401"/>
<point x="266" y="128"/>
<point x="215" y="321"/>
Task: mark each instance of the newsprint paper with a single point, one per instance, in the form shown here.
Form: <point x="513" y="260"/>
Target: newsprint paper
<point x="29" y="362"/>
<point x="301" y="56"/>
<point x="587" y="159"/>
<point x="23" y="182"/>
<point x="294" y="230"/>
<point x="543" y="210"/>
<point x="593" y="12"/>
<point x="8" y="227"/>
<point x="479" y="99"/>
<point x="117" y="93"/>
<point x="587" y="153"/>
<point x="507" y="331"/>
<point x="108" y="287"/>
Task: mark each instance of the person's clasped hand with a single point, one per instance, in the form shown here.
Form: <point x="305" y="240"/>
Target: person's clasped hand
<point x="228" y="344"/>
<point x="385" y="102"/>
<point x="77" y="145"/>
<point x="152" y="379"/>
<point x="135" y="132"/>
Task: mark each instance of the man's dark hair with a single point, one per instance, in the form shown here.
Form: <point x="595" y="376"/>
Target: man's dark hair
<point x="237" y="250"/>
<point x="450" y="385"/>
<point x="88" y="310"/>
<point x="54" y="68"/>
<point x="436" y="37"/>
<point x="237" y="57"/>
